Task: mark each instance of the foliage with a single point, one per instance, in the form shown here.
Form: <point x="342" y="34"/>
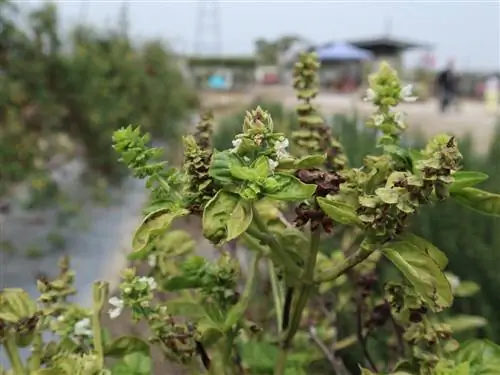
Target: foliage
<point x="245" y="194"/>
<point x="62" y="95"/>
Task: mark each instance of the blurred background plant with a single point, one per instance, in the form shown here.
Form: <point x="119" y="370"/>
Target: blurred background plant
<point x="63" y="95"/>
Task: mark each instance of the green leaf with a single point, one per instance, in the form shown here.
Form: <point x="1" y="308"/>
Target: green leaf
<point x="225" y="217"/>
<point x="182" y="307"/>
<point x="239" y="219"/>
<point x="155" y="224"/>
<point x="422" y="272"/>
<point x="388" y="195"/>
<point x="285" y="187"/>
<point x="261" y="167"/>
<point x="219" y="167"/>
<point x="483" y="357"/>
<point x="210" y="332"/>
<point x="464" y="179"/>
<point x="466" y="289"/>
<point x="48" y="371"/>
<point x="175" y="243"/>
<point x="400" y="154"/>
<point x="176" y="283"/>
<point x="338" y="211"/>
<point x="138" y="363"/>
<point x="310" y="161"/>
<point x="460" y="323"/>
<point x="261" y="357"/>
<point x="429" y="249"/>
<point x="365" y="371"/>
<point x="243" y="173"/>
<point x="478" y="200"/>
<point x="126" y="345"/>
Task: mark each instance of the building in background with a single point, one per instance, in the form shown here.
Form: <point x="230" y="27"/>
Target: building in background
<point x="389" y="49"/>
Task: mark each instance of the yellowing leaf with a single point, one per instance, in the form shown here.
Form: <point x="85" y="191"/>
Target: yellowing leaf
<point x="422" y="272"/>
<point x="338" y="211"/>
<point x="154" y="224"/>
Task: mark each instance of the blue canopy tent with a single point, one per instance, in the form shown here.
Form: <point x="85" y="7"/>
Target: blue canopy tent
<point x="343" y="52"/>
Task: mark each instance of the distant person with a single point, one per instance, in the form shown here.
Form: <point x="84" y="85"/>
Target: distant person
<point x="447" y="87"/>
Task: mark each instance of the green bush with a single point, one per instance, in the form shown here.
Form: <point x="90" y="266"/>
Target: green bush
<point x="85" y="85"/>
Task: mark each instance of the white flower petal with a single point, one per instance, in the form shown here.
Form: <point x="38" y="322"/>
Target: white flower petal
<point x="116" y="302"/>
<point x="82" y="328"/>
<point x="150" y="281"/>
<point x="406" y="94"/>
<point x="115" y="313"/>
<point x="370" y="95"/>
<point x="152" y="260"/>
<point x="272" y="164"/>
<point x="236" y="143"/>
<point x="378" y="120"/>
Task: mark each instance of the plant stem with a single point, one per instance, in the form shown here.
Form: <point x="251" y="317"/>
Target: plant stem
<point x="13" y="356"/>
<point x="263" y="235"/>
<point x="277" y="294"/>
<point x="281" y="362"/>
<point x="97" y="339"/>
<point x="353" y="260"/>
<point x="306" y="287"/>
<point x="36" y="353"/>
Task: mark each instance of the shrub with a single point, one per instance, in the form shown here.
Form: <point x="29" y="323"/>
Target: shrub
<point x="86" y="87"/>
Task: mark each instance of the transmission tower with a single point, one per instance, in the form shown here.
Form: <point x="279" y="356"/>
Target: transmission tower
<point x="208" y="33"/>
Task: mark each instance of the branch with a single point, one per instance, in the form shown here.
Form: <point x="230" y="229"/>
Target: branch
<point x="337" y="364"/>
<point x="361" y="336"/>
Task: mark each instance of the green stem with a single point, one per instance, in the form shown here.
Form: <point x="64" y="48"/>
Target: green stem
<point x="356" y="258"/>
<point x="277" y="295"/>
<point x="281" y="362"/>
<point x="36" y="354"/>
<point x="306" y="287"/>
<point x="13" y="356"/>
<point x="227" y="352"/>
<point x="262" y="234"/>
<point x="97" y="339"/>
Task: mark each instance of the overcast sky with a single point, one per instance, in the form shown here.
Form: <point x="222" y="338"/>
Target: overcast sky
<point x="466" y="31"/>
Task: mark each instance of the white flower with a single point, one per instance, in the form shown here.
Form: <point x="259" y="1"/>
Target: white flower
<point x="280" y="147"/>
<point x="82" y="328"/>
<point x="378" y="120"/>
<point x="150" y="281"/>
<point x="236" y="144"/>
<point x="272" y="164"/>
<point x="454" y="281"/>
<point x="118" y="305"/>
<point x="370" y="95"/>
<point x="399" y="119"/>
<point x="406" y="94"/>
<point x="152" y="260"/>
